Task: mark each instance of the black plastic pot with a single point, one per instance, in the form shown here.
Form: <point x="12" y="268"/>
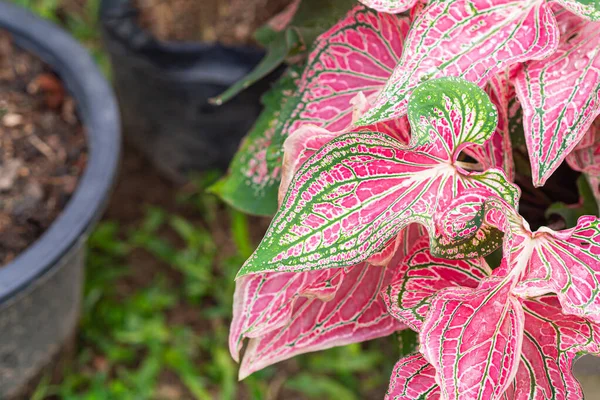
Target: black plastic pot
<point x="163" y="90"/>
<point x="40" y="291"/>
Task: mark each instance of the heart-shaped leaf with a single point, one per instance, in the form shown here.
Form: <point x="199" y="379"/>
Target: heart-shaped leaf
<point x="355" y="313"/>
<point x="560" y="95"/>
<point x="357" y="55"/>
<point x="473" y="39"/>
<point x="564" y="262"/>
<point x="551" y="341"/>
<point x="473" y="339"/>
<point x="360" y="189"/>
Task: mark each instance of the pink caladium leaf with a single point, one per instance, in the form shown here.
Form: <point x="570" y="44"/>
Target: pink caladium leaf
<point x="362" y="188"/>
<point x="357" y="55"/>
<point x="420" y="275"/>
<point x="497" y="152"/>
<point x="305" y="141"/>
<point x="560" y="95"/>
<point x="413" y="378"/>
<point x="469" y="39"/>
<point x="473" y="339"/>
<point x="564" y="262"/>
<point x="390" y="6"/>
<point x="551" y="341"/>
<point x="355" y="313"/>
<point x="264" y="303"/>
<point x="589" y="9"/>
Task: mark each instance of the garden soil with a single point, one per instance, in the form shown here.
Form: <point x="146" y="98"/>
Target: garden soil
<point x="42" y="148"/>
<point x="228" y="22"/>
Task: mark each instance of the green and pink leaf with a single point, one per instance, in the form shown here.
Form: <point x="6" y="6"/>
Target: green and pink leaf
<point x="420" y="275"/>
<point x="390" y="6"/>
<point x="551" y="342"/>
<point x="560" y="95"/>
<point x="565" y="262"/>
<point x="357" y="55"/>
<point x="359" y="190"/>
<point x="469" y="39"/>
<point x="473" y="339"/>
<point x="589" y="9"/>
<point x="355" y="313"/>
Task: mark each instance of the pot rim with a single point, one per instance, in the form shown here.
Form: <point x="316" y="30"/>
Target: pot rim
<point x="98" y="112"/>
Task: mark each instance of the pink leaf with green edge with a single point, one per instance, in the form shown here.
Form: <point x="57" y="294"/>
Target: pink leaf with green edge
<point x="551" y="341"/>
<point x="356" y="55"/>
<point x="305" y="141"/>
<point x="360" y="189"/>
<point x="564" y="262"/>
<point x="560" y="95"/>
<point x="413" y="378"/>
<point x="356" y="313"/>
<point x="264" y="303"/>
<point x="589" y="9"/>
<point x="473" y="39"/>
<point x="420" y="275"/>
<point x="390" y="6"/>
<point x="473" y="339"/>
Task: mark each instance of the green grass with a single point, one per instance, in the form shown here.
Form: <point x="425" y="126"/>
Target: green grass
<point x="161" y="333"/>
<point x="127" y="342"/>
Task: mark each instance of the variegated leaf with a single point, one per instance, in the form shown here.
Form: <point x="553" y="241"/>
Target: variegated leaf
<point x="265" y="302"/>
<point x="413" y="378"/>
<point x="360" y="189"/>
<point x="473" y="339"/>
<point x="564" y="262"/>
<point x="305" y="141"/>
<point x="397" y="248"/>
<point x="551" y="341"/>
<point x="420" y="275"/>
<point x="560" y="95"/>
<point x="355" y="313"/>
<point x="497" y="151"/>
<point x="473" y="39"/>
<point x="390" y="6"/>
<point x="356" y="55"/>
<point x="589" y="9"/>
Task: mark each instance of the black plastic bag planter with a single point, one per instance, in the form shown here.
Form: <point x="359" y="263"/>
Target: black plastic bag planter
<point x="163" y="90"/>
<point x="40" y="290"/>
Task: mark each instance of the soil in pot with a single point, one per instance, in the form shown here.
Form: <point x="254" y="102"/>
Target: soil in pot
<point x="225" y="21"/>
<point x="42" y="148"/>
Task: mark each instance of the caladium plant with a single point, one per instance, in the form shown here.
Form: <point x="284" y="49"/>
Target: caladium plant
<point x="391" y="159"/>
